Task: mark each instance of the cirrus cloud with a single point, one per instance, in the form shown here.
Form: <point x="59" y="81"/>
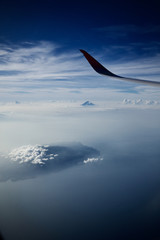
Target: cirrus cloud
<point x="37" y="61"/>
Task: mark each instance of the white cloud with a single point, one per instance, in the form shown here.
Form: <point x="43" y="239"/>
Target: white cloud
<point x="90" y="160"/>
<point x="39" y="154"/>
<point x="38" y="61"/>
<point x="151" y="102"/>
<point x="49" y="110"/>
<point x="37" y="70"/>
<point x="140" y="102"/>
<point x="36" y="154"/>
<point x="28" y="161"/>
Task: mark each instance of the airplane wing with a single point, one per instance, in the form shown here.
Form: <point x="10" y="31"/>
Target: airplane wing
<point x="102" y="70"/>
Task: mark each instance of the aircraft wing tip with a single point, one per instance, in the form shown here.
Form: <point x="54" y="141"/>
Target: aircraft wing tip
<point x="82" y="51"/>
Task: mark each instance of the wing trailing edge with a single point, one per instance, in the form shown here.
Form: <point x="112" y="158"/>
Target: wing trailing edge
<point x="99" y="68"/>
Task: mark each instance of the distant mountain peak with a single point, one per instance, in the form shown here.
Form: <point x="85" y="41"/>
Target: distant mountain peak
<point x="88" y="103"/>
<point x="17" y="102"/>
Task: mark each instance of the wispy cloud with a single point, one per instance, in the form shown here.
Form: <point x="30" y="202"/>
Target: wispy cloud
<point x="41" y="68"/>
<point x="146" y="67"/>
<point x="38" y="62"/>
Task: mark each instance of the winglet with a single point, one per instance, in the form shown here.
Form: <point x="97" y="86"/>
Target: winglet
<point x="99" y="68"/>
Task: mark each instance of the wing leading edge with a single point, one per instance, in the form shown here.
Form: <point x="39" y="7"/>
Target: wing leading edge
<point x="99" y="68"/>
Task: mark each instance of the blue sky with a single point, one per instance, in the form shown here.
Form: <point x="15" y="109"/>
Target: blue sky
<point x="89" y="25"/>
<point x="77" y="24"/>
<point x="40" y="41"/>
<point x="115" y="32"/>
